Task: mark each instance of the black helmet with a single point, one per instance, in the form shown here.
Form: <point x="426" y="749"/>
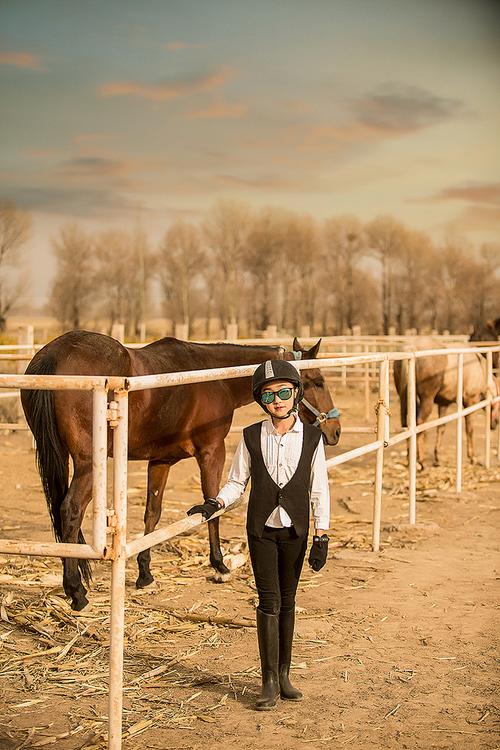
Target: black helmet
<point x="276" y="369"/>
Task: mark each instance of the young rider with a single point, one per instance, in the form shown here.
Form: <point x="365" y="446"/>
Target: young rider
<point x="285" y="460"/>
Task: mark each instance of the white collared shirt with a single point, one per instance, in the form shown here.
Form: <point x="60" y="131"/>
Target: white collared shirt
<point x="281" y="454"/>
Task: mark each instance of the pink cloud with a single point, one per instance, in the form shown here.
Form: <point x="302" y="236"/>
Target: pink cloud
<point x="218" y="111"/>
<point x="331" y="138"/>
<point x="170" y="89"/>
<point x="487" y="193"/>
<point x="26" y="60"/>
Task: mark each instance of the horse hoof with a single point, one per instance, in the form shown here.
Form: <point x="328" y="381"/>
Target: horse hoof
<point x="222" y="577"/>
<point x="144" y="581"/>
<point x="78" y="604"/>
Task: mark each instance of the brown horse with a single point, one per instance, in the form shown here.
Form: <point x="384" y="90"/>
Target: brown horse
<point x="165" y="426"/>
<point x="436" y="383"/>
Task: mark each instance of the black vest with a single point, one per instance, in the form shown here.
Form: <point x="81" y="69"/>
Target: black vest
<point x="266" y="495"/>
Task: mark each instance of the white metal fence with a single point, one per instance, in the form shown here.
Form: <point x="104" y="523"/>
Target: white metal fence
<point x="109" y="534"/>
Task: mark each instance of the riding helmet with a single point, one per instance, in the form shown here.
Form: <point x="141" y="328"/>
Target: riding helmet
<point x="276" y="369"/>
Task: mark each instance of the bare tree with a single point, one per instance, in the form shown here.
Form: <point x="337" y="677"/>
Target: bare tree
<point x="483" y="284"/>
<point x="179" y="265"/>
<point x="414" y="283"/>
<point x="345" y="243"/>
<point x="301" y="271"/>
<point x="140" y="258"/>
<point x="15" y="227"/>
<point x="265" y="261"/>
<point x="72" y="289"/>
<point x="225" y="234"/>
<point x="385" y="238"/>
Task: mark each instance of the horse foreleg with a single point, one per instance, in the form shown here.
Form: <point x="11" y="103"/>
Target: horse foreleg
<point x="211" y="463"/>
<point x="157" y="479"/>
<point x="439" y="435"/>
<point x="72" y="511"/>
<point x="470" y="438"/>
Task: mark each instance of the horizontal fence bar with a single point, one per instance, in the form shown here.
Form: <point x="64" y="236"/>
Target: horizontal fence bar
<point x="451" y="417"/>
<point x="59" y="382"/>
<point x="221" y="373"/>
<point x="178" y="527"/>
<point x="354" y="453"/>
<point x="49" y="549"/>
<point x="399" y="437"/>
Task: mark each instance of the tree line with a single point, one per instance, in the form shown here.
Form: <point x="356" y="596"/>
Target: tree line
<point x="261" y="268"/>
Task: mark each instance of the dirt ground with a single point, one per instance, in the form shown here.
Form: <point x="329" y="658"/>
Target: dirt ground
<point x="395" y="650"/>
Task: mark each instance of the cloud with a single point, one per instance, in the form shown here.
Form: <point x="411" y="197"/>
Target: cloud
<point x="392" y="111"/>
<point x="217" y="111"/>
<point x="94" y="166"/>
<point x="478" y="218"/>
<point x="402" y="108"/>
<point x="77" y="201"/>
<point x="168" y="90"/>
<point x="486" y="193"/>
<point x="25" y="60"/>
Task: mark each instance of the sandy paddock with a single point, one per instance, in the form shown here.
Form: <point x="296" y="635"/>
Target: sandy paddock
<point x="392" y="651"/>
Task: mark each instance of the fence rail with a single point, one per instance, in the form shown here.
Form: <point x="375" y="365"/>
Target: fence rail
<point x="109" y="540"/>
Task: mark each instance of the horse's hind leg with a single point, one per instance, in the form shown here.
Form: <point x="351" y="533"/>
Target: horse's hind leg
<point x="211" y="463"/>
<point x="157" y="479"/>
<point x="72" y="511"/>
<point x="470" y="438"/>
<point x="423" y="414"/>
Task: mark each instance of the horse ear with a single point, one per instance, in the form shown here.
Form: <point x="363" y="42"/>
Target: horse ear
<point x="313" y="351"/>
<point x="296" y="346"/>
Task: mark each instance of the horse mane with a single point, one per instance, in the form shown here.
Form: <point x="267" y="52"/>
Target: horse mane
<point x="177" y="354"/>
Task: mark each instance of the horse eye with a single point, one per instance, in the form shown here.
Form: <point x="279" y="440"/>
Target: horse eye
<point x="319" y="383"/>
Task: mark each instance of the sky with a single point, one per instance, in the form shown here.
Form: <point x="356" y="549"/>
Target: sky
<point x="117" y="112"/>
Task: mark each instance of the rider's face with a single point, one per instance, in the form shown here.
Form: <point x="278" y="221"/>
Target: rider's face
<point x="280" y="406"/>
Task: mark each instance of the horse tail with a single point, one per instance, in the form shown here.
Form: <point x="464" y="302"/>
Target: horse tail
<point x="401" y="382"/>
<point x="52" y="456"/>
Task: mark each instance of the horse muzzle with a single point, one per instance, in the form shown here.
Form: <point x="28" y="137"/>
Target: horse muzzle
<point x="330" y="433"/>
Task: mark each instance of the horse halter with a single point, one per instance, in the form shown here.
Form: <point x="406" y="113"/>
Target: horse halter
<point x="321" y="416"/>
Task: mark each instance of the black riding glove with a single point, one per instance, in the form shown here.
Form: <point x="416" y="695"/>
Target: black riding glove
<point x="318" y="552"/>
<point x="209" y="507"/>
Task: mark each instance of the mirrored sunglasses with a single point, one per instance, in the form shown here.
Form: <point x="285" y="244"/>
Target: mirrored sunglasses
<point x="283" y="394"/>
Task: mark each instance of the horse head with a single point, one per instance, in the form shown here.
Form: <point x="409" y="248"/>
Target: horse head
<point x="494" y="391"/>
<point x="317" y="406"/>
<point x="488" y="330"/>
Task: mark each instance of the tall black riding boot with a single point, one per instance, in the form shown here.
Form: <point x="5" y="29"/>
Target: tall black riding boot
<point x="268" y="637"/>
<point x="286" y="626"/>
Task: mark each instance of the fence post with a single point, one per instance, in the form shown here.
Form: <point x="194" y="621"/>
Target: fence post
<point x="412" y="442"/>
<point x="383" y="387"/>
<point x="460" y="391"/>
<point x="487" y="411"/>
<point x="118" y="332"/>
<point x="367" y="383"/>
<point x="117" y="621"/>
<point x="99" y="467"/>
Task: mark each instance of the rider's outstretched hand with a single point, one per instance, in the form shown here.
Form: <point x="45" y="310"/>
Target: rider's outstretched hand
<point x="209" y="507"/>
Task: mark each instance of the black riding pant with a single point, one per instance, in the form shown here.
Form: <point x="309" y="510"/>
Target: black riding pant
<point x="277" y="558"/>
